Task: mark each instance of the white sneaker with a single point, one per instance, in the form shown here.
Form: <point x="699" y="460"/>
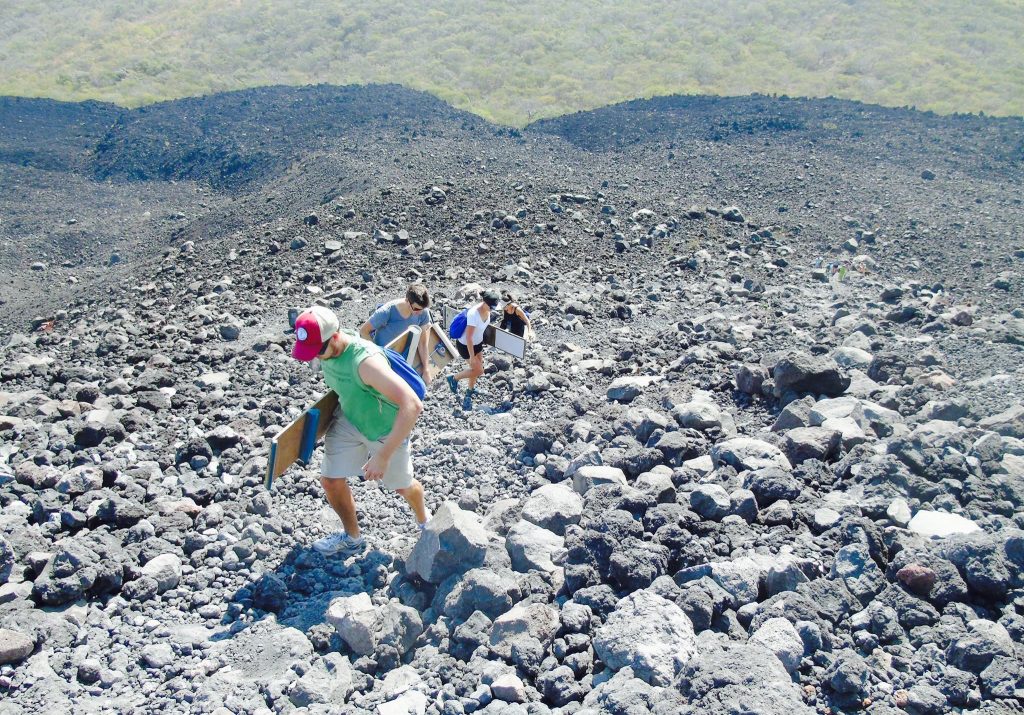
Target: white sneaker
<point x="423" y="524"/>
<point x="339" y="543"/>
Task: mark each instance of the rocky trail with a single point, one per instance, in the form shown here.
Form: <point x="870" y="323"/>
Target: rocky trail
<point x="767" y="455"/>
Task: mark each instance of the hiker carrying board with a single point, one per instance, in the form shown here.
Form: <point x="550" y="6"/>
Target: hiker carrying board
<point x="374" y="418"/>
<point x="393" y="318"/>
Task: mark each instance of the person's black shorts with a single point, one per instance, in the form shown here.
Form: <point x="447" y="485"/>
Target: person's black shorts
<point x="464" y="351"/>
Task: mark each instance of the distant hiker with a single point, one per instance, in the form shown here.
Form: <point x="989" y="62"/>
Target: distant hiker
<point x="369" y="436"/>
<point x="395" y="317"/>
<point x="471" y="344"/>
<point x="514" y="319"/>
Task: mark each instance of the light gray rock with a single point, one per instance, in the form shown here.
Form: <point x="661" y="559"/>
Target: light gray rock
<point x="588" y="477"/>
<point x="728" y="677"/>
<point x="710" y="501"/>
<point x="780" y="637"/>
<point x="553" y="507"/>
<point x="14" y="646"/>
<point x="165" y="569"/>
<point x="80" y="480"/>
<point x="328" y="682"/>
<point x="157" y="655"/>
<point x="627" y="389"/>
<point x="940" y="524"/>
<point x="741" y="577"/>
<point x="354" y="618"/>
<point x="749" y="453"/>
<point x="805" y="443"/>
<point x="536" y="620"/>
<point x="852" y="357"/>
<point x="453" y="542"/>
<point x="411" y="702"/>
<point x="509" y="688"/>
<point x="647" y="633"/>
<point x="532" y="547"/>
<point x="898" y="512"/>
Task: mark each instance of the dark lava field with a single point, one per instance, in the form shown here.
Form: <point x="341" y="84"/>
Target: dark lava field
<point x="765" y="456"/>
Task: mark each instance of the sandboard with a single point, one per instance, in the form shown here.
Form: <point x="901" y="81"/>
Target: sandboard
<point x="296" y="441"/>
<point x="439" y="347"/>
<point x="505" y="341"/>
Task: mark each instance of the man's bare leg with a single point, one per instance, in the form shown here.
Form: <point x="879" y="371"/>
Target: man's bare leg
<point x="339" y="496"/>
<point x="413" y="494"/>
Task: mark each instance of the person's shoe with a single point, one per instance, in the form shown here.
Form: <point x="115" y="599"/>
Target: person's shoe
<point x="339" y="543"/>
<point x="453" y="384"/>
<point x="423" y="524"/>
<point x="467" y="401"/>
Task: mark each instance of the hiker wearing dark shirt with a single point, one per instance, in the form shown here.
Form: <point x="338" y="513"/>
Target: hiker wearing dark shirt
<point x="514" y="319"/>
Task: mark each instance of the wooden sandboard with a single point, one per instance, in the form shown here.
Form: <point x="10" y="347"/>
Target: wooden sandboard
<point x="296" y="442"/>
<point x="439" y="347"/>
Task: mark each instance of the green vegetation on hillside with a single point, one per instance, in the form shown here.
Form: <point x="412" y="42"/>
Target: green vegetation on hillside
<point x="516" y="62"/>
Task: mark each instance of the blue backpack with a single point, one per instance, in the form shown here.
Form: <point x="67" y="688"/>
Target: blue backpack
<point x="405" y="371"/>
<point x="458" y="326"/>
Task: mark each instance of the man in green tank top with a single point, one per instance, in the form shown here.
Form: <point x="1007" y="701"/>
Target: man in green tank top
<point x="369" y="435"/>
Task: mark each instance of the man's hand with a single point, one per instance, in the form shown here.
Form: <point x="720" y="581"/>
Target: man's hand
<point x="375" y="467"/>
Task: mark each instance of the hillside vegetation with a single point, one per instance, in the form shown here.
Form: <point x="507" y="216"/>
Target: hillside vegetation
<point x="516" y="62"/>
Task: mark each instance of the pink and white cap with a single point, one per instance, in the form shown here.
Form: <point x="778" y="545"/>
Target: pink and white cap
<point x="312" y="329"/>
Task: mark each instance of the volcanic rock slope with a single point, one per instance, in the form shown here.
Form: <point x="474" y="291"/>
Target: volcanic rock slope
<point x="765" y="456"/>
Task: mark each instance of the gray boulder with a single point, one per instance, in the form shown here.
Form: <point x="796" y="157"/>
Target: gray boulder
<point x="728" y="678"/>
<point x="805" y="443"/>
<point x="744" y="453"/>
<point x="452" y="542"/>
<point x="801" y="372"/>
<point x="780" y="637"/>
<point x="532" y="547"/>
<point x="710" y="501"/>
<point x="553" y="507"/>
<point x="165" y="569"/>
<point x="491" y="591"/>
<point x="647" y="633"/>
<point x="14" y="646"/>
<point x="535" y="620"/>
<point x="328" y="682"/>
<point x="587" y="477"/>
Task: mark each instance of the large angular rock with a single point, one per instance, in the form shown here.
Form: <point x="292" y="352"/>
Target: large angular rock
<point x="647" y="633"/>
<point x="354" y="617"/>
<point x="780" y="637"/>
<point x="328" y="682"/>
<point x="491" y="591"/>
<point x="14" y="646"/>
<point x="536" y="620"/>
<point x="940" y="524"/>
<point x="366" y="628"/>
<point x="165" y="569"/>
<point x="744" y="453"/>
<point x="532" y="547"/>
<point x="452" y="542"/>
<point x="80" y="480"/>
<point x="801" y="372"/>
<point x="805" y="443"/>
<point x="627" y="389"/>
<point x="553" y="507"/>
<point x="728" y="677"/>
<point x="590" y="476"/>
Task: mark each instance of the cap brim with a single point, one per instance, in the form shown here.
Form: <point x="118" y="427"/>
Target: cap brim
<point x="305" y="351"/>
